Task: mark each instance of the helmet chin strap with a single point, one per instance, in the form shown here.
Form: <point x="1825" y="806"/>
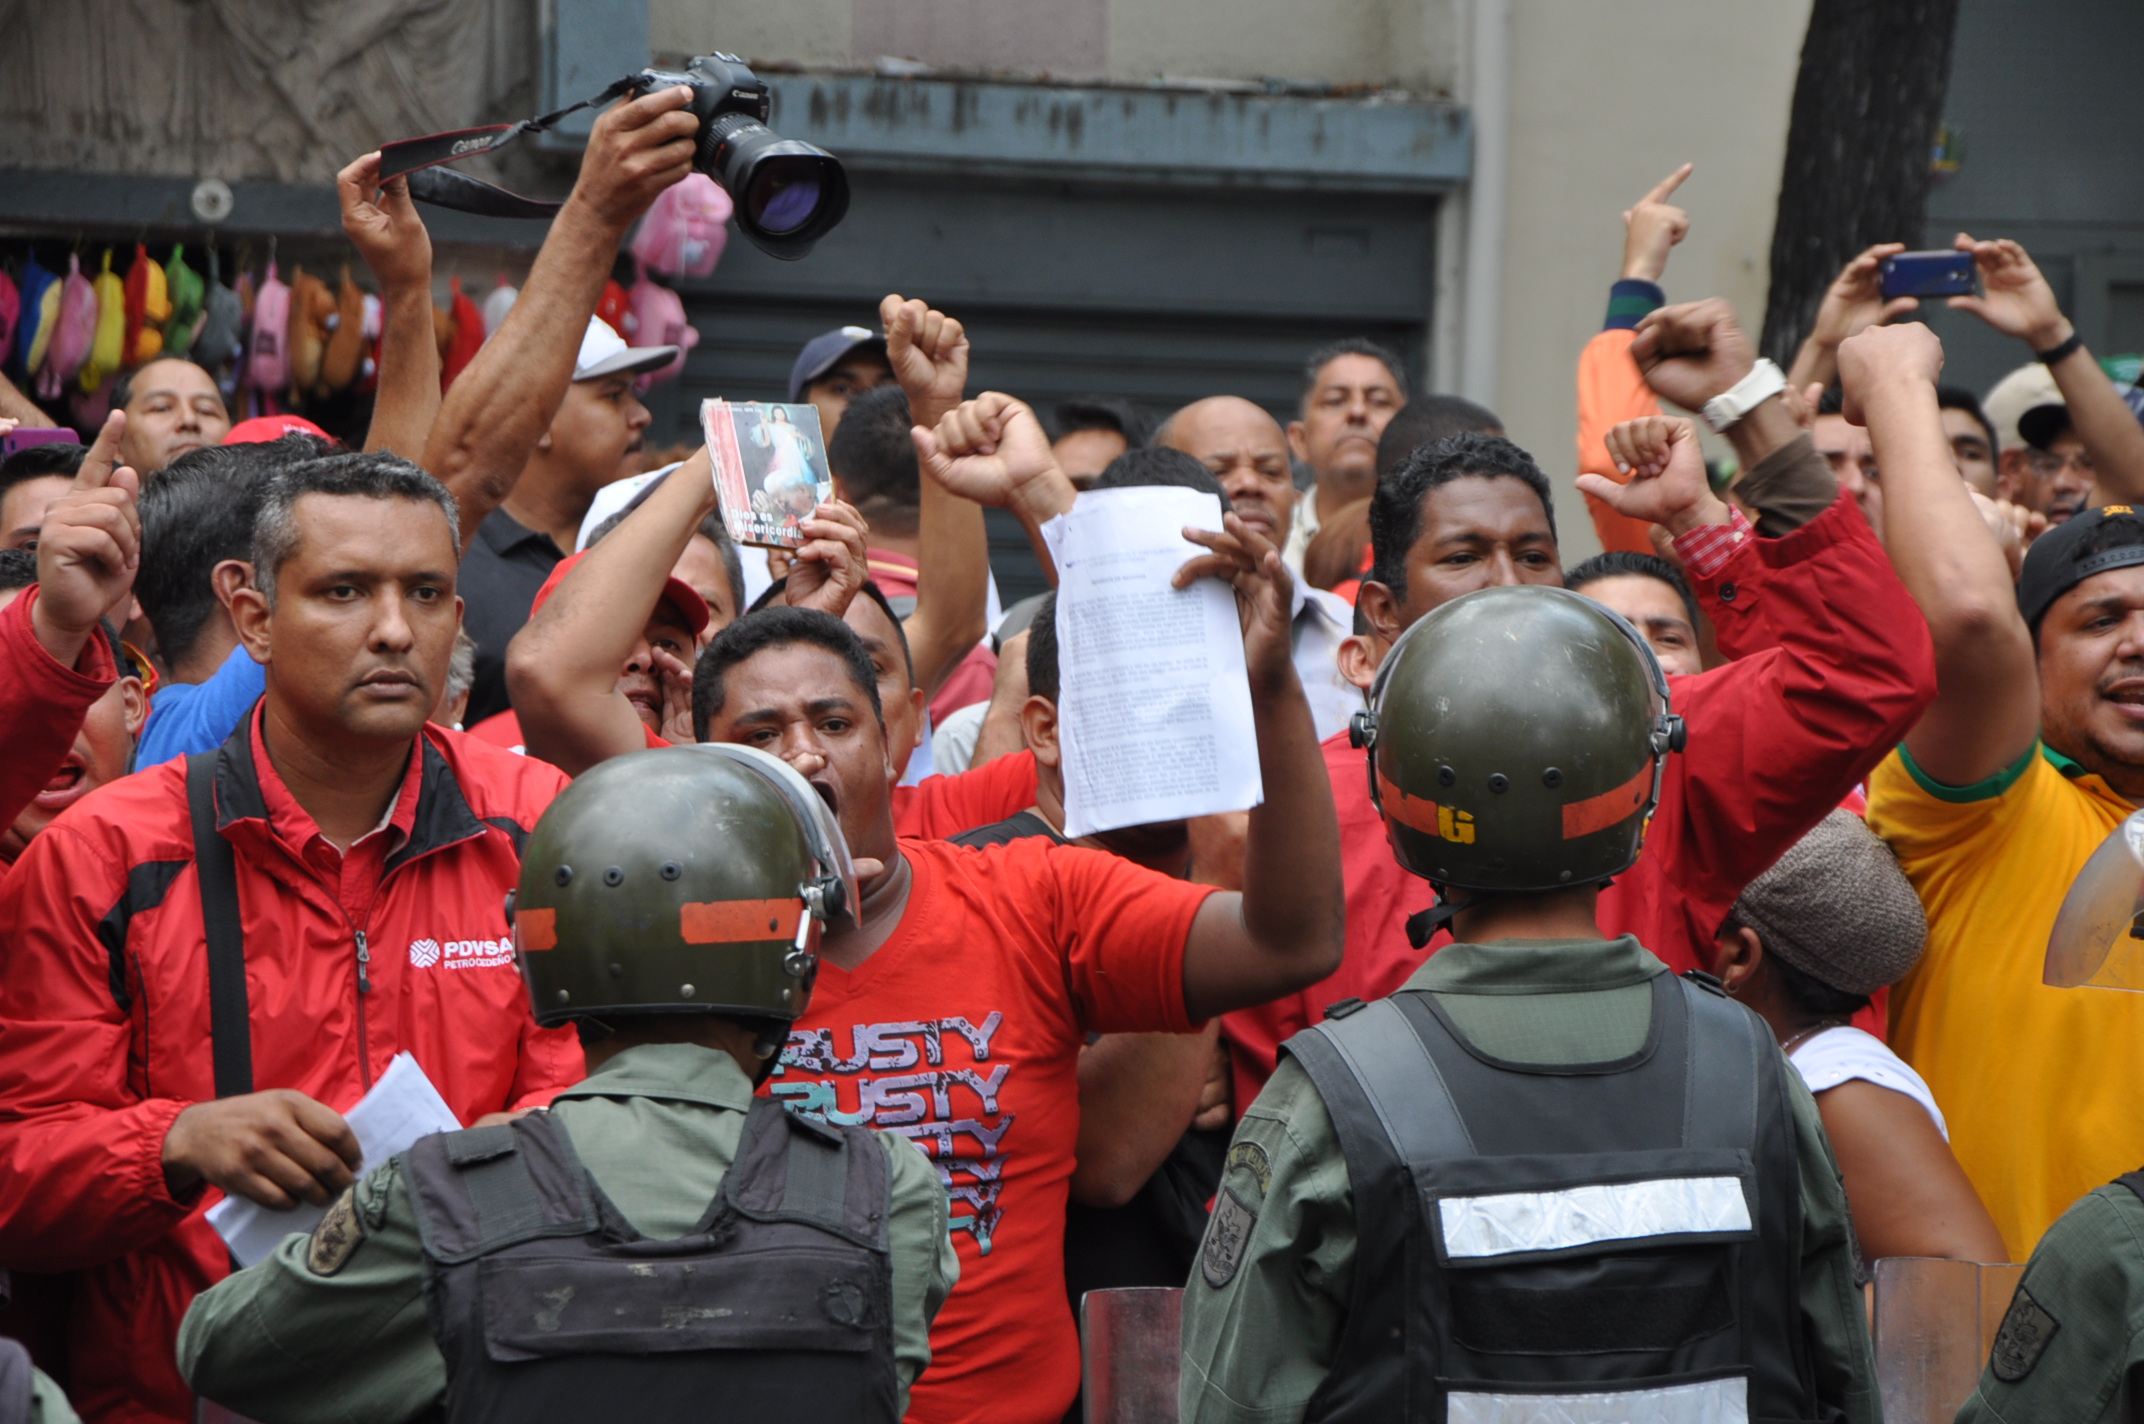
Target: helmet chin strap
<point x="768" y="1045"/>
<point x="1422" y="927"/>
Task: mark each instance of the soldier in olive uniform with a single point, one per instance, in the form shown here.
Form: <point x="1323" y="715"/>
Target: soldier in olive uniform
<point x="1546" y="1179"/>
<point x="2071" y="1346"/>
<point x="661" y="1242"/>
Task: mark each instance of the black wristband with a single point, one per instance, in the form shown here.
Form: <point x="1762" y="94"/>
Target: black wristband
<point x="2062" y="352"/>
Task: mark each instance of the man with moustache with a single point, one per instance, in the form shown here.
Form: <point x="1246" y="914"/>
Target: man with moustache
<point x="173" y="406"/>
<point x="1351" y="391"/>
<point x="2032" y="753"/>
<point x="546" y="415"/>
<point x="1248" y="453"/>
<point x="975" y="975"/>
<point x="354" y="861"/>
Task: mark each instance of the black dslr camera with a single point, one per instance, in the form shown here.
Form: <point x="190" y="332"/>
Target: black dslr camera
<point x="788" y="193"/>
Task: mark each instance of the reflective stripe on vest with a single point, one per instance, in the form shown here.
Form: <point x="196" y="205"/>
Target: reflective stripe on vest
<point x="1588" y="1215"/>
<point x="1720" y="1401"/>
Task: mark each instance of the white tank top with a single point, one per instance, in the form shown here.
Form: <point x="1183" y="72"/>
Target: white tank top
<point x="1838" y="1055"/>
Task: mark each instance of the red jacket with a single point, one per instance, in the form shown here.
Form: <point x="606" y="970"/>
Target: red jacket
<point x="104" y="1019"/>
<point x="1833" y="665"/>
<point x="41" y="703"/>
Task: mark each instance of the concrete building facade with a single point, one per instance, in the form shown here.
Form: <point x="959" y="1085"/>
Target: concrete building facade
<point x="1156" y="199"/>
<point x="1567" y="112"/>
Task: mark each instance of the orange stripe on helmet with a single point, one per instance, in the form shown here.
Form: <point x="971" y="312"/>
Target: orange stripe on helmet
<point x="1598" y="813"/>
<point x="536" y="929"/>
<point x="1413" y="812"/>
<point x="738" y="921"/>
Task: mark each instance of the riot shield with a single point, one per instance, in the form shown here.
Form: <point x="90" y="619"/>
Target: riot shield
<point x="2098" y="939"/>
<point x="1935" y="1323"/>
<point x="1129" y="1347"/>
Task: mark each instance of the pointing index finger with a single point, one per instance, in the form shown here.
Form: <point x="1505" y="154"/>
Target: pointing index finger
<point x="1666" y="187"/>
<point x="103" y="456"/>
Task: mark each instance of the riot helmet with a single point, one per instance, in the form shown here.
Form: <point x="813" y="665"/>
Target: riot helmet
<point x="1517" y="742"/>
<point x="690" y="879"/>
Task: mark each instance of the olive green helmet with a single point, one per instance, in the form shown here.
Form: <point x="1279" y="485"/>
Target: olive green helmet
<point x="691" y="879"/>
<point x="1518" y="742"/>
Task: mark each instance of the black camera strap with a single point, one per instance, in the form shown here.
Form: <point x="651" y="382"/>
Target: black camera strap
<point x="230" y="1019"/>
<point x="418" y="160"/>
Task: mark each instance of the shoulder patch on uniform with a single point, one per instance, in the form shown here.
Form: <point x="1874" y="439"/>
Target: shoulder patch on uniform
<point x="336" y="1239"/>
<point x="2027" y="1328"/>
<point x="1251" y="1158"/>
<point x="1227" y="1237"/>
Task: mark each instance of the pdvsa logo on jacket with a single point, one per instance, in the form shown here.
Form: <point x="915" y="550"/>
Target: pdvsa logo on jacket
<point x="461" y="953"/>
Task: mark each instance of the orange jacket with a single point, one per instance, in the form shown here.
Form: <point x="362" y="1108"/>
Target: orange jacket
<point x="1611" y="391"/>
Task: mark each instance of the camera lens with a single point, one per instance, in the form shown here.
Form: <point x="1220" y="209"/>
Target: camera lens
<point x="784" y="194"/>
<point x="788" y="193"/>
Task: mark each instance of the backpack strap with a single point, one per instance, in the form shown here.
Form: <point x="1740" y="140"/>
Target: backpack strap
<point x="818" y="1179"/>
<point x="216" y="871"/>
<point x="1720" y="1086"/>
<point x="486" y="1188"/>
<point x="496" y="1177"/>
<point x="1377" y="1051"/>
<point x="793" y="1168"/>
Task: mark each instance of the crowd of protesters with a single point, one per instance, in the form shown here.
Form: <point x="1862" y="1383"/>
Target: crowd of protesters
<point x="1901" y="631"/>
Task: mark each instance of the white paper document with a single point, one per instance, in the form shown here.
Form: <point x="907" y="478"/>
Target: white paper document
<point x="1154" y="711"/>
<point x="402" y="1107"/>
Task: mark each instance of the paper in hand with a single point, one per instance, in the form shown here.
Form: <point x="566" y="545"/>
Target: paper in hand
<point x="402" y="1107"/>
<point x="1154" y="706"/>
<point x="770" y="468"/>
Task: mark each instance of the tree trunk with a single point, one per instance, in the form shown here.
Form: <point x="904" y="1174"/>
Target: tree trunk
<point x="1867" y="102"/>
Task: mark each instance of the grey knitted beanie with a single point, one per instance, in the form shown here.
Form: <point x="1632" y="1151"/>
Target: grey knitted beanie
<point x="1837" y="907"/>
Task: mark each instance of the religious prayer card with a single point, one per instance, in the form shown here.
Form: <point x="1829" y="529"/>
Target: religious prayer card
<point x="770" y="468"/>
<point x="1155" y="709"/>
<point x="402" y="1107"/>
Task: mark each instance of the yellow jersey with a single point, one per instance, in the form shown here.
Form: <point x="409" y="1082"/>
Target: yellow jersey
<point x="2043" y="1087"/>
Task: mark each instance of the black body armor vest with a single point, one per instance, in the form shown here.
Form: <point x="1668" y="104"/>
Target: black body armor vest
<point x="1624" y="1236"/>
<point x="549" y="1306"/>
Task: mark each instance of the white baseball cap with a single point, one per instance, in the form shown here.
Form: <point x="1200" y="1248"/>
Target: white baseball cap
<point x="2028" y="389"/>
<point x="604" y="353"/>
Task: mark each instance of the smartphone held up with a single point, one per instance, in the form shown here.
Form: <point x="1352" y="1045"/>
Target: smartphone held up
<point x="1927" y="274"/>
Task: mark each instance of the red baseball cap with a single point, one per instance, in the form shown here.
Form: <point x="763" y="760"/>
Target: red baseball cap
<point x="263" y="428"/>
<point x="676" y="592"/>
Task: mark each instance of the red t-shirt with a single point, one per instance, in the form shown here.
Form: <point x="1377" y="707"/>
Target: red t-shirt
<point x="962" y="1033"/>
<point x="940" y="806"/>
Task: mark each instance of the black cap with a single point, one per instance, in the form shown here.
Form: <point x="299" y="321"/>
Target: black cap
<point x="2089" y="542"/>
<point x="2040" y="426"/>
